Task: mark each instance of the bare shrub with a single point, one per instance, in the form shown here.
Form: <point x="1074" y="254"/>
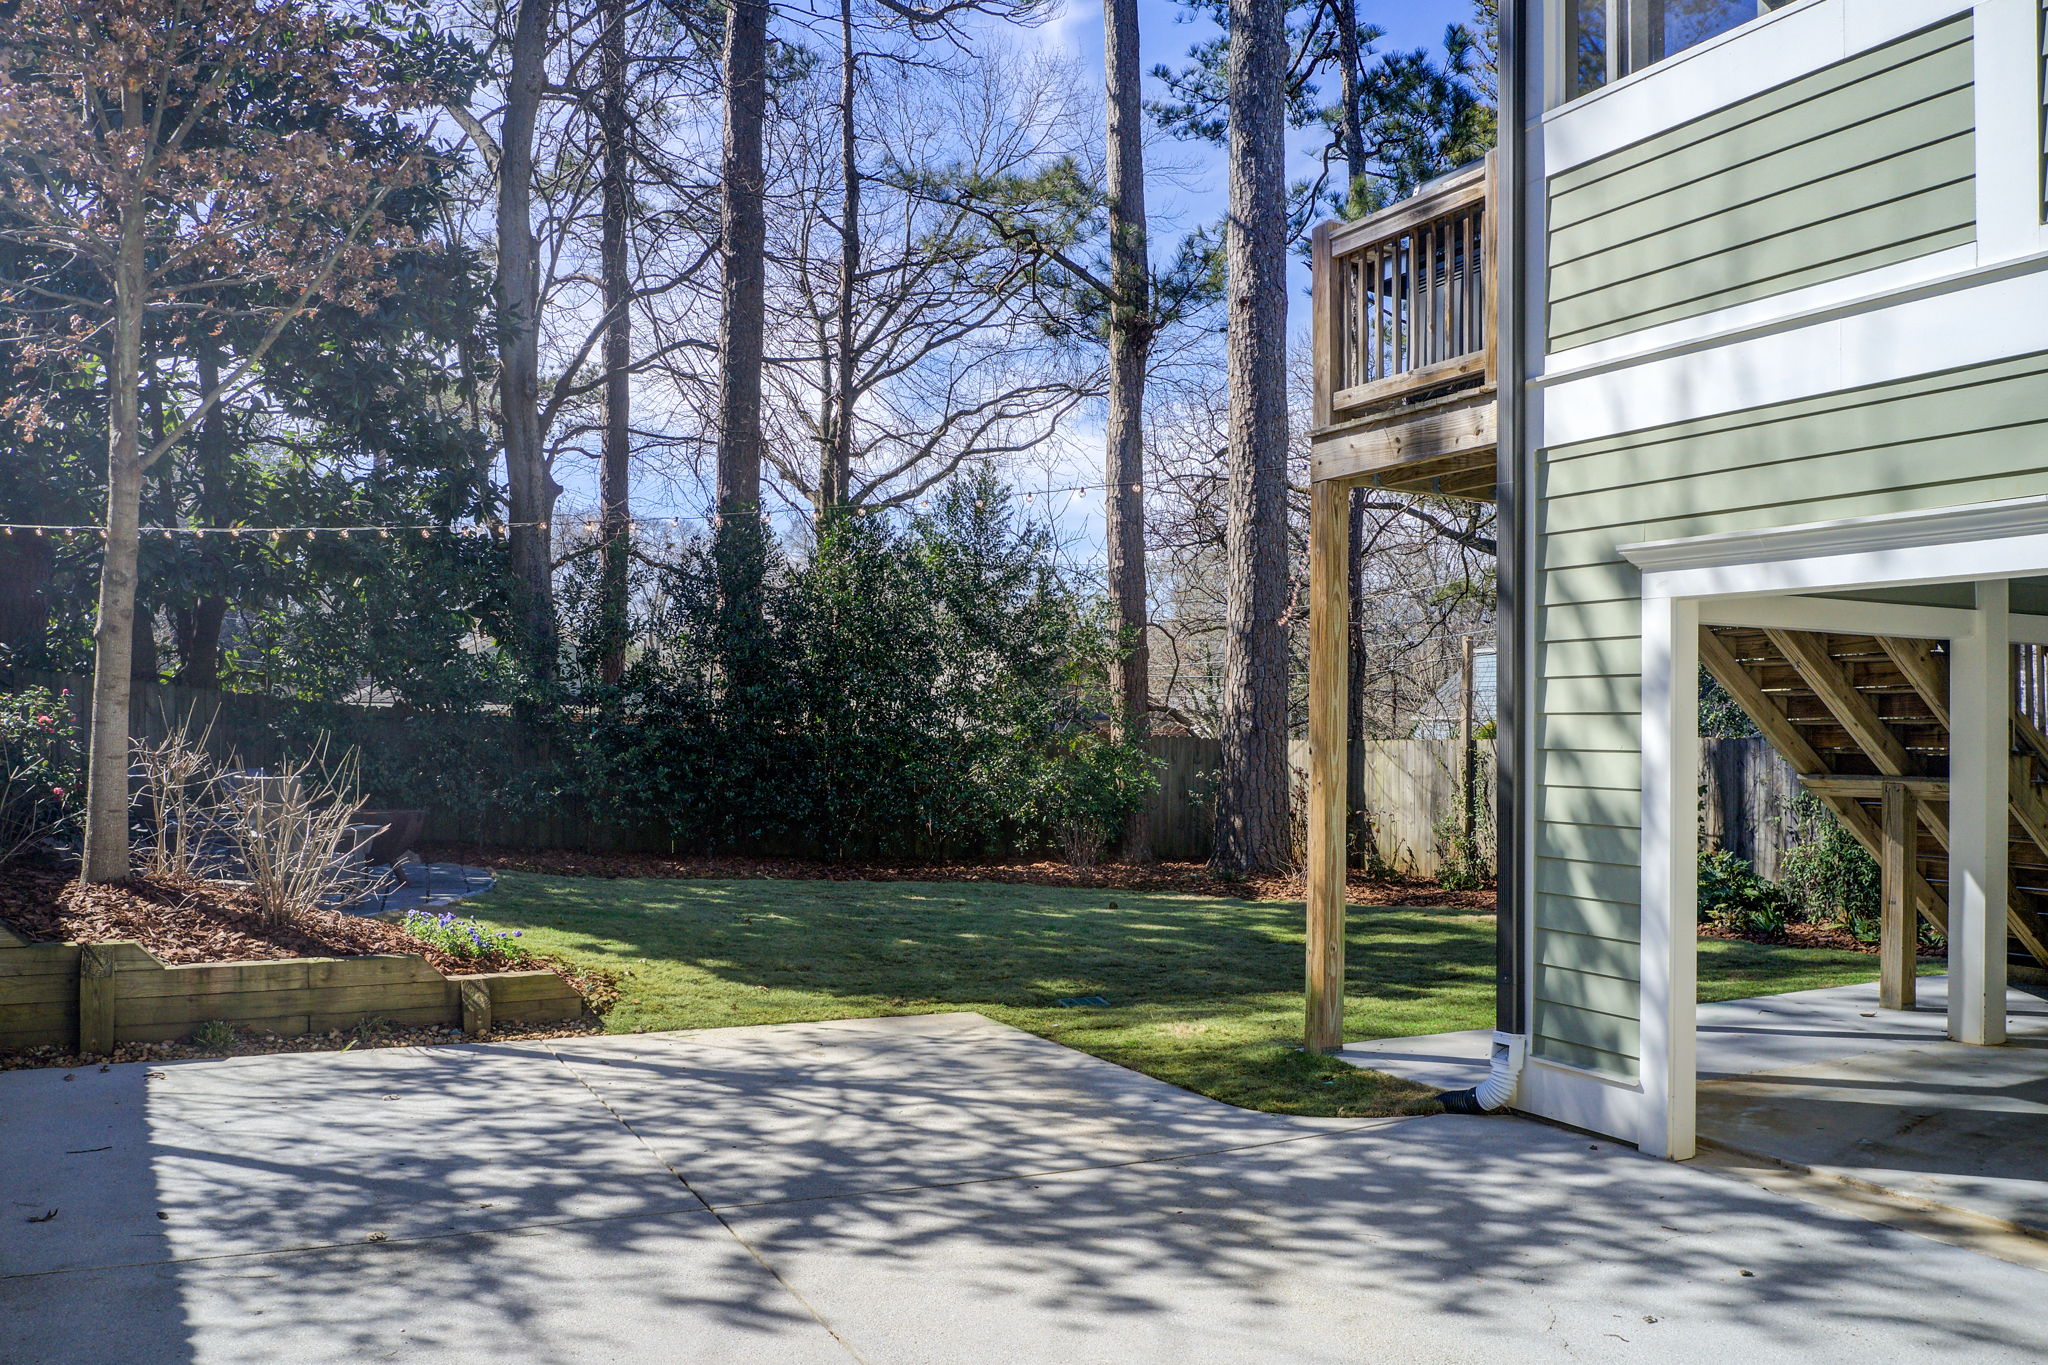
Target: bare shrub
<point x="293" y="832"/>
<point x="28" y="815"/>
<point x="1082" y="842"/>
<point x="182" y="785"/>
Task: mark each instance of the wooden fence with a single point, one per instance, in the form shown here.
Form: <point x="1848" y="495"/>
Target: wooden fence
<point x="1746" y="801"/>
<point x="1402" y="790"/>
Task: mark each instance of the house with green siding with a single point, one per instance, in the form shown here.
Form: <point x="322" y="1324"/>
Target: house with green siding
<point x="1744" y="328"/>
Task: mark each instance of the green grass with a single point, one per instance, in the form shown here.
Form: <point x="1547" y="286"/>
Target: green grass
<point x="1204" y="993"/>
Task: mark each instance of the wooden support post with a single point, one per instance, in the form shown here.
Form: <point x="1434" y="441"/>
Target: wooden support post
<point x="1326" y="332"/>
<point x="95" y="1001"/>
<point x="476" y="1007"/>
<point x="1329" y="531"/>
<point x="1899" y="928"/>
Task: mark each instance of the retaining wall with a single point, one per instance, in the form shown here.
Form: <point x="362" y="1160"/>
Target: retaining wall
<point x="93" y="996"/>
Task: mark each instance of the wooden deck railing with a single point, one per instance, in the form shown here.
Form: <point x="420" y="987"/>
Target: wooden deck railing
<point x="1404" y="300"/>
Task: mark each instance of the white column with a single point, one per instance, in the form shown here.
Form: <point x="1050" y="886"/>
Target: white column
<point x="1980" y="741"/>
<point x="1670" y="885"/>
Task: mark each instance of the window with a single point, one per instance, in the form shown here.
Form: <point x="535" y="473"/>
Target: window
<point x="1605" y="39"/>
<point x="1586" y="47"/>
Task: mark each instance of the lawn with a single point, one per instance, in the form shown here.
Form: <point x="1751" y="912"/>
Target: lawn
<point x="1203" y="992"/>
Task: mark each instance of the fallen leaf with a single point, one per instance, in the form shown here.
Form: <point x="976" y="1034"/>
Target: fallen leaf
<point x="45" y="1218"/>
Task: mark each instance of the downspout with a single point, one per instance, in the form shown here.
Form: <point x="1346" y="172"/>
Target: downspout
<point x="1511" y="1014"/>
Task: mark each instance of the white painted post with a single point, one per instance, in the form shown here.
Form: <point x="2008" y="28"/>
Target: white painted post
<point x="1670" y="886"/>
<point x="1980" y="706"/>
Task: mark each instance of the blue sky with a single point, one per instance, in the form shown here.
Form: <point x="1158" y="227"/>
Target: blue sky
<point x="1186" y="190"/>
<point x="1166" y="39"/>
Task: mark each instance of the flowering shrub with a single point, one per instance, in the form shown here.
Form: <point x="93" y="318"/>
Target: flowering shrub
<point x="464" y="937"/>
<point x="41" y="781"/>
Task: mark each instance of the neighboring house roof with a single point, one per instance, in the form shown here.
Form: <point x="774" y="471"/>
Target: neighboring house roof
<point x="1439" y="720"/>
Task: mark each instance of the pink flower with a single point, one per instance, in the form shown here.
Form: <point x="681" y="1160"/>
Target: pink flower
<point x="56" y="791"/>
<point x="42" y="720"/>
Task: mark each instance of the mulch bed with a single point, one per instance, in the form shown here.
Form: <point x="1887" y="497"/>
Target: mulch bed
<point x="186" y="922"/>
<point x="1187" y="878"/>
<point x="182" y="922"/>
<point x="1810" y="936"/>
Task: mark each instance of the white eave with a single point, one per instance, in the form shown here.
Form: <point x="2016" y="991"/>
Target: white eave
<point x="1985" y="521"/>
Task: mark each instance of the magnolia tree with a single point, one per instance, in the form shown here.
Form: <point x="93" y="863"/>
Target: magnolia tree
<point x="172" y="168"/>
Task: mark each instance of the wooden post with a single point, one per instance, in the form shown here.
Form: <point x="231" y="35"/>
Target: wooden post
<point x="476" y="1007"/>
<point x="1329" y="528"/>
<point x="1899" y="927"/>
<point x="95" y="1001"/>
<point x="1326" y="296"/>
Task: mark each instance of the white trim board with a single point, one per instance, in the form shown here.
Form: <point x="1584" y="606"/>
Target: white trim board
<point x="1865" y="290"/>
<point x="1942" y="528"/>
<point x="1979" y="324"/>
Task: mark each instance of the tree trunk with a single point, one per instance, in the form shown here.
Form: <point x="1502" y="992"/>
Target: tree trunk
<point x="742" y="260"/>
<point x="1354" y="673"/>
<point x="1351" y="139"/>
<point x="28" y="566"/>
<point x="530" y="489"/>
<point x="198" y="627"/>
<point x="106" y="787"/>
<point x="835" y="484"/>
<point x="1252" y="797"/>
<point x="1130" y="344"/>
<point x="614" y="480"/>
<point x="1351" y="126"/>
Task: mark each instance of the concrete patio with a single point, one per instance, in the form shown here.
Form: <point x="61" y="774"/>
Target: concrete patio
<point x="938" y="1188"/>
<point x="1827" y="1082"/>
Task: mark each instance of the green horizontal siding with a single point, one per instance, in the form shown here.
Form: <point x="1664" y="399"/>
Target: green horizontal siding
<point x="1860" y="165"/>
<point x="1605" y="883"/>
<point x="1571" y="918"/>
<point x="1616" y="806"/>
<point x="1938" y="440"/>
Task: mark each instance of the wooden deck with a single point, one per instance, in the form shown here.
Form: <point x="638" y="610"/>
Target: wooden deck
<point x="1404" y="316"/>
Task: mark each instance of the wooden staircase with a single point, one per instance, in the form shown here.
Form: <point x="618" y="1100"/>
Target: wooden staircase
<point x="1865" y="722"/>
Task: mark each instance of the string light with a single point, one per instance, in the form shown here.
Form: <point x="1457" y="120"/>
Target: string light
<point x="494" y="529"/>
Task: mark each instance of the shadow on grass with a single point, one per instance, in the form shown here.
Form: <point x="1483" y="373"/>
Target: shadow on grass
<point x="1205" y="993"/>
<point x="1015" y="947"/>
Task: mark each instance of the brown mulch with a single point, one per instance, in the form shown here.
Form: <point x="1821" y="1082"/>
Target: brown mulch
<point x="180" y="922"/>
<point x="1799" y="935"/>
<point x="1186" y="878"/>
